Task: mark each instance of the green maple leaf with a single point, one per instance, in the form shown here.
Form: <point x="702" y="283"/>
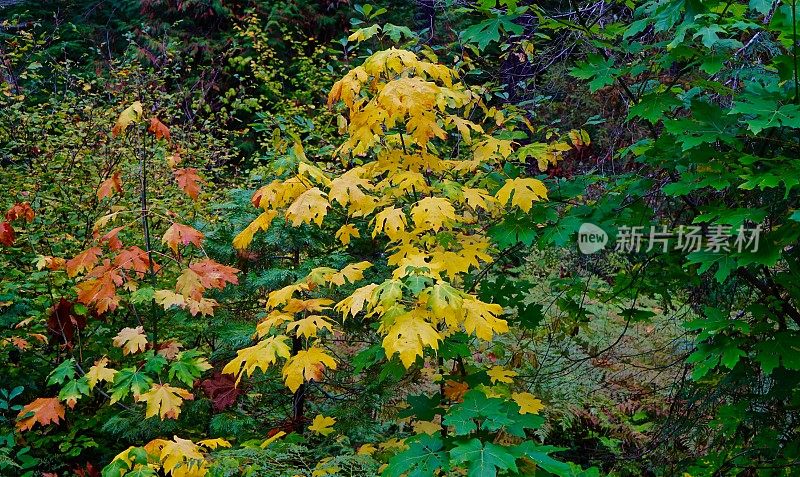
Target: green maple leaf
<point x="483" y="459"/>
<point x="781" y="350"/>
<point x="489" y="30"/>
<point x="599" y="70"/>
<point x="423" y="458"/>
<point x="63" y="372"/>
<point x="188" y="367"/>
<point x="127" y="380"/>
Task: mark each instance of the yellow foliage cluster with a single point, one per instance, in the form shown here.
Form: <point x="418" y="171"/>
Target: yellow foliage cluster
<point x="398" y="185"/>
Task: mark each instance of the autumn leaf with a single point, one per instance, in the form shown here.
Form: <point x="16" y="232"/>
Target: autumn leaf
<point x="354" y="303"/>
<point x="309" y="326"/>
<point x="345" y="232"/>
<point x="408" y="335"/>
<point x="262" y="222"/>
<point x="528" y="404"/>
<point x="261" y="356"/>
<point x="222" y="390"/>
<point x="131" y="340"/>
<point x="213" y="274"/>
<point x="182" y="458"/>
<point x="391" y="221"/>
<point x="109" y="186"/>
<point x="272" y="439"/>
<point x="432" y="213"/>
<point x="426" y="427"/>
<point x="45" y="411"/>
<point x="83" y="262"/>
<point x="164" y="401"/>
<point x="20" y="210"/>
<point x="63" y="321"/>
<point x="168" y="298"/>
<point x="99" y="372"/>
<point x="102" y="291"/>
<point x="310" y="206"/>
<point x="351" y="273"/>
<point x="214" y="443"/>
<point x="306" y="365"/>
<point x="158" y="129"/>
<point x="498" y="374"/>
<point x="111" y="237"/>
<point x="189" y="181"/>
<point x="322" y="425"/>
<point x="7" y="235"/>
<point x="130" y="115"/>
<point x="134" y="259"/>
<point x="455" y="390"/>
<point x="182" y="234"/>
<point x="481" y="318"/>
<point x="525" y="192"/>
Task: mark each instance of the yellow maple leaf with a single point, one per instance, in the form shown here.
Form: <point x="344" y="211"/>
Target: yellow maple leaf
<point x="432" y="213"/>
<point x="214" y="443"/>
<point x="366" y="449"/>
<point x="391" y="221"/>
<point x="310" y="170"/>
<point x="492" y="148"/>
<point x="322" y="425"/>
<point x="408" y="335"/>
<point x="310" y="206"/>
<point x="309" y="326"/>
<point x="498" y="374"/>
<point x="99" y="372"/>
<point x="426" y="427"/>
<point x="348" y="187"/>
<point x="345" y="232"/>
<point x="525" y="191"/>
<point x="444" y="301"/>
<point x="477" y="198"/>
<point x="168" y="298"/>
<point x="351" y="273"/>
<point x="306" y="365"/>
<point x="182" y="458"/>
<point x="272" y="439"/>
<point x="131" y="340"/>
<point x="354" y="303"/>
<point x="274" y="319"/>
<point x="262" y="222"/>
<point x="481" y="318"/>
<point x="127" y="117"/>
<point x="164" y="401"/>
<point x="261" y="356"/>
<point x="528" y="404"/>
<point x="464" y="126"/>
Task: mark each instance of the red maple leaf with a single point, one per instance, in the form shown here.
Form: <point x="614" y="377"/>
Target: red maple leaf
<point x="63" y="322"/>
<point x="222" y="390"/>
<point x="7" y="234"/>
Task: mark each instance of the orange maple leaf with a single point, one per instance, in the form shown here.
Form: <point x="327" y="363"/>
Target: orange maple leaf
<point x="109" y="186"/>
<point x="213" y="274"/>
<point x="114" y="243"/>
<point x="189" y="181"/>
<point x="84" y="261"/>
<point x="45" y="411"/>
<point x="158" y="129"/>
<point x="135" y="259"/>
<point x="21" y="210"/>
<point x="181" y="234"/>
<point x="101" y="289"/>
